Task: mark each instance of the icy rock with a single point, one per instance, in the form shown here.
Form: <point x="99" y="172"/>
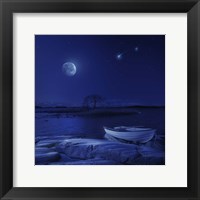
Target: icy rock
<point x="150" y="156"/>
<point x="121" y="155"/>
<point x="98" y="148"/>
<point x="65" y="158"/>
<point x="80" y="151"/>
<point x="149" y="151"/>
<point x="45" y="158"/>
<point x="129" y="157"/>
<point x="39" y="150"/>
<point x="78" y="148"/>
<point x="62" y="137"/>
<point x="156" y="143"/>
<point x="75" y="143"/>
<point x="47" y="143"/>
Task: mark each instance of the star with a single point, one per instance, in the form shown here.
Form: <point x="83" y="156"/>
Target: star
<point x="136" y="49"/>
<point x="119" y="56"/>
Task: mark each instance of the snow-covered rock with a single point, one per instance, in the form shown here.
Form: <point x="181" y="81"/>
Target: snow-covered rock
<point x="39" y="150"/>
<point x="86" y="151"/>
<point x="45" y="144"/>
<point x="99" y="148"/>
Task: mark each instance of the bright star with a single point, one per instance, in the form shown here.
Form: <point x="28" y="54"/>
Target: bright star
<point x="119" y="56"/>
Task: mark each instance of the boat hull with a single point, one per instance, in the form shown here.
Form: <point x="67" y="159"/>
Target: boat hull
<point x="135" y="136"/>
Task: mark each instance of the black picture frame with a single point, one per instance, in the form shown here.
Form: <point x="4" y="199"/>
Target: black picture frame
<point x="8" y="7"/>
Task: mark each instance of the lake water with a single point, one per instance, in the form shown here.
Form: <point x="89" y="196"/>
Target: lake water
<point x="91" y="126"/>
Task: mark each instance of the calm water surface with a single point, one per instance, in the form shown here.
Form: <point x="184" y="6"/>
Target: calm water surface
<point x="92" y="126"/>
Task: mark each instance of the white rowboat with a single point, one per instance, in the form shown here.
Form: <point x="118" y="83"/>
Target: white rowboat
<point x="132" y="134"/>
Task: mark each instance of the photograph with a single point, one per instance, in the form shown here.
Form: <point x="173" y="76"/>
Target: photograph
<point x="100" y="100"/>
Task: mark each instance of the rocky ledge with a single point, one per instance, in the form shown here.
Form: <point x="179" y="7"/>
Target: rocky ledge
<point x="66" y="150"/>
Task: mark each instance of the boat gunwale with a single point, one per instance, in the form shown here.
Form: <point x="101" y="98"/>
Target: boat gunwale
<point x="122" y="131"/>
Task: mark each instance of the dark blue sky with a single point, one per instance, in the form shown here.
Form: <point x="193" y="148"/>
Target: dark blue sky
<point x="124" y="69"/>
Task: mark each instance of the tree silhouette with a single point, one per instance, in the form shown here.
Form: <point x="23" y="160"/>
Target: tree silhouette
<point x="92" y="101"/>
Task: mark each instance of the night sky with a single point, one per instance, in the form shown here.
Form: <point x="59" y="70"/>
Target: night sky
<point x="123" y="69"/>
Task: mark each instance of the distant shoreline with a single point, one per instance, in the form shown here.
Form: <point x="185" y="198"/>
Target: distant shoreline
<point x="103" y="107"/>
<point x="99" y="111"/>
